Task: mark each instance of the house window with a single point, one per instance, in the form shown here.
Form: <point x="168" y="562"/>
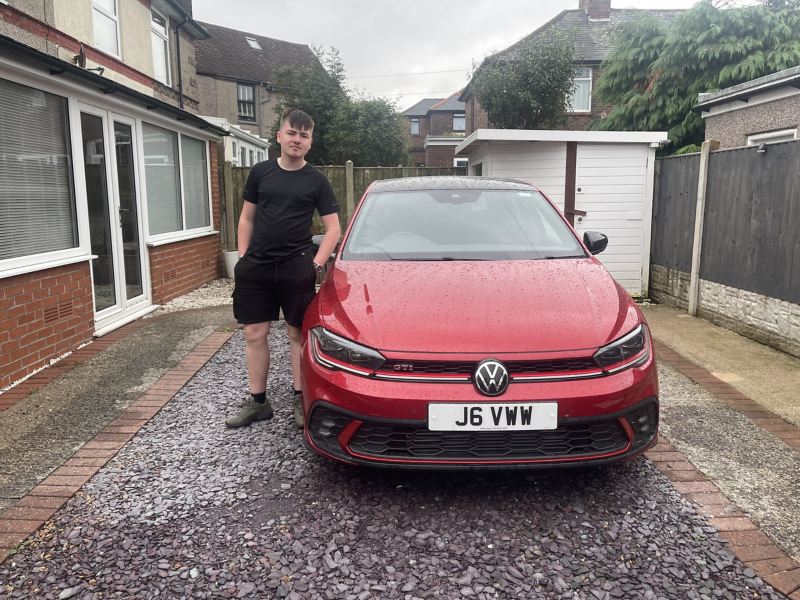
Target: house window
<point x="459" y="122"/>
<point x="253" y="43"/>
<point x="159" y="38"/>
<point x="247" y="102"/>
<point x="252" y="157"/>
<point x="772" y="137"/>
<point x="234" y="152"/>
<point x="36" y="179"/>
<point x="477" y="169"/>
<point x="581" y="100"/>
<point x="242" y="157"/>
<point x="460" y="162"/>
<point x="261" y="156"/>
<point x="414" y="126"/>
<point x="176" y="177"/>
<point x="106" y="26"/>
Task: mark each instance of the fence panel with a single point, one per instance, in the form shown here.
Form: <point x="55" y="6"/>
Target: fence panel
<point x="674" y="203"/>
<point x="751" y="224"/>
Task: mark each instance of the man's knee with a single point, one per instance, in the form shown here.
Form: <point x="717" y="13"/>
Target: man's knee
<point x="256" y="332"/>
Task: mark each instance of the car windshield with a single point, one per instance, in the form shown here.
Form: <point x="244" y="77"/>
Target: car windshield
<point x="459" y="224"/>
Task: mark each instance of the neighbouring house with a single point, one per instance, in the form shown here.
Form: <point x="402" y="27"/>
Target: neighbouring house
<point x="242" y="148"/>
<point x="435" y="127"/>
<point x="592" y="27"/>
<point x="235" y="71"/>
<point x="109" y="196"/>
<point x="761" y="111"/>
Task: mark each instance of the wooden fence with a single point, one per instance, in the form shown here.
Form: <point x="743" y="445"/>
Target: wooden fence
<point x="348" y="182"/>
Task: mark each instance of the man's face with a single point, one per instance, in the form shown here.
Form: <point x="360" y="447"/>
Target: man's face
<point x="294" y="142"/>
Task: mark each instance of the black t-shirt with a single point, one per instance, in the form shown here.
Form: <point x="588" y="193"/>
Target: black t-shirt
<point x="285" y="203"/>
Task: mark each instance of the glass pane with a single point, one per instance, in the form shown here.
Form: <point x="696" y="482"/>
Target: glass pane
<point x="459" y="122"/>
<point x="36" y="187"/>
<point x="105" y="33"/>
<point x="94" y="166"/>
<point x="414" y="126"/>
<point x="128" y="216"/>
<point x="158" y="23"/>
<point x="162" y="179"/>
<point x="246" y="93"/>
<point x="160" y="66"/>
<point x="195" y="182"/>
<point x="583" y="72"/>
<point x="107" y="5"/>
<point x="459" y="224"/>
<point x="581" y="96"/>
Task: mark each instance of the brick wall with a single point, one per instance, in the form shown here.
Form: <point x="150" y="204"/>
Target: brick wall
<point x="476" y="117"/>
<point x="180" y="267"/>
<point x="42" y="316"/>
<point x="441" y="123"/>
<point x="439" y="156"/>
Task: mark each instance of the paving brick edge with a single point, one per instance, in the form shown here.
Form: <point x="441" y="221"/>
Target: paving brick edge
<point x="746" y="540"/>
<point x="30" y="512"/>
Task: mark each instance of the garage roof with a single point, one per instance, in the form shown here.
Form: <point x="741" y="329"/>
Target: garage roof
<point x="557" y="135"/>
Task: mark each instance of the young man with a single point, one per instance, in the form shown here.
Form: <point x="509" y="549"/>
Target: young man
<point x="276" y="269"/>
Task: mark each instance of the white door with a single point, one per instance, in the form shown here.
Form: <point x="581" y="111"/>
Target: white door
<point x="611" y="187"/>
<point x="119" y="276"/>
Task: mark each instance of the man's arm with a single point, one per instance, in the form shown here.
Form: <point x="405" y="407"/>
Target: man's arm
<point x="246" y="222"/>
<point x="332" y="233"/>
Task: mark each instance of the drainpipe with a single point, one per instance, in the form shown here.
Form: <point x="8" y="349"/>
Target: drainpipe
<point x="178" y="52"/>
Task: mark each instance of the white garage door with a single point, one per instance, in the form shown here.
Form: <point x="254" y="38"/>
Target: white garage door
<point x="610" y="186"/>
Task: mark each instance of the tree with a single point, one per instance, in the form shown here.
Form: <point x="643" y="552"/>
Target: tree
<point x="317" y="89"/>
<point x="368" y="131"/>
<point x="654" y="74"/>
<point x="529" y="88"/>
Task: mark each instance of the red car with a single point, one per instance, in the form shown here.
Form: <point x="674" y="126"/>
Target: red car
<point x="464" y="324"/>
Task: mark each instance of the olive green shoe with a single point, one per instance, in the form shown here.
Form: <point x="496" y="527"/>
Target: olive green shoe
<point x="297" y="405"/>
<point x="251" y="413"/>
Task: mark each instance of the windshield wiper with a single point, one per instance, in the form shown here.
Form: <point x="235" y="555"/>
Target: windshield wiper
<point x="566" y="256"/>
<point x="435" y="259"/>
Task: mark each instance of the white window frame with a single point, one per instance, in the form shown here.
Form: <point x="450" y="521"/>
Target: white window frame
<point x="154" y="31"/>
<point x="253" y="43"/>
<point x="463" y="116"/>
<point x="239" y="115"/>
<point x="30" y="263"/>
<point x="572" y="109"/>
<point x="115" y="18"/>
<point x="461" y="162"/>
<point x="773" y="137"/>
<point x="184" y="234"/>
<point x="412" y="121"/>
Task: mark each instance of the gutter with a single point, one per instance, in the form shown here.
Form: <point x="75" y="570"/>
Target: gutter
<point x="178" y="52"/>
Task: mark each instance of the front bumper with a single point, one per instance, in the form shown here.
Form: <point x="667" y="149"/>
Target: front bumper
<point x="351" y="438"/>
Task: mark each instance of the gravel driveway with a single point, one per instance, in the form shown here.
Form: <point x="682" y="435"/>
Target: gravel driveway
<point x="189" y="509"/>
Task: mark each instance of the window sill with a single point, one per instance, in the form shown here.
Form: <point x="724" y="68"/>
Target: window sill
<point x="191" y="235"/>
<point x="43" y="266"/>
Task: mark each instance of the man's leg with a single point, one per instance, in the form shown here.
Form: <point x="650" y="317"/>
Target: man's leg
<point x="295" y="352"/>
<point x="256" y="336"/>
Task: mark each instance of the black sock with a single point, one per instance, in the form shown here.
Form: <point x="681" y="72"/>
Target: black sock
<point x="259" y="398"/>
<point x="298" y="392"/>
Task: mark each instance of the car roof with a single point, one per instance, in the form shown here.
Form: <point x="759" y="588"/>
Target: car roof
<point x="404" y="184"/>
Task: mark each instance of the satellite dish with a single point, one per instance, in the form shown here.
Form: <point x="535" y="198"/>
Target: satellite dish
<point x="80" y="58"/>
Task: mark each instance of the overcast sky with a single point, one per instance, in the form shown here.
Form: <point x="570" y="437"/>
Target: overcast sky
<point x="404" y="50"/>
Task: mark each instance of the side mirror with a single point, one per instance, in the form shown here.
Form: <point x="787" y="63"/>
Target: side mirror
<point x="595" y="242"/>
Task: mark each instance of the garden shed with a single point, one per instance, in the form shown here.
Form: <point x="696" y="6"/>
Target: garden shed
<point x="601" y="181"/>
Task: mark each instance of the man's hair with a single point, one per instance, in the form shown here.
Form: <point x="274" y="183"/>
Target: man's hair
<point x="297" y="119"/>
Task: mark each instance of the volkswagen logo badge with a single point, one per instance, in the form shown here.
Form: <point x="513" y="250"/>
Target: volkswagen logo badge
<point x="491" y="377"/>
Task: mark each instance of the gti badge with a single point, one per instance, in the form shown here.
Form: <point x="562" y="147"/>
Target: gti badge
<point x="491" y="377"/>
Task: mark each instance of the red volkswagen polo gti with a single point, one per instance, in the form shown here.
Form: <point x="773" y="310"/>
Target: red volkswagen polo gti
<point x="463" y="324"/>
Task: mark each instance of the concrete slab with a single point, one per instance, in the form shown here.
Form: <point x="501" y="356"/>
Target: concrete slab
<point x="768" y="376"/>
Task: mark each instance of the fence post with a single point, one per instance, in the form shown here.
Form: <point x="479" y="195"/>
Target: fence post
<point x="697" y="247"/>
<point x="230" y="211"/>
<point x="348" y="182"/>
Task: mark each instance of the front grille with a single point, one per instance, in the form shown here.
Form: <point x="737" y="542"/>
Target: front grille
<point x="570" y="440"/>
<point x="468" y="367"/>
<point x="325" y="426"/>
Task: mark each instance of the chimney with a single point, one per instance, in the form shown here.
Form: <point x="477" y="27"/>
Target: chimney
<point x="599" y="10"/>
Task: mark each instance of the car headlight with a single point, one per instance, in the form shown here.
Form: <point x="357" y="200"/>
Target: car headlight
<point x="628" y="351"/>
<point x="330" y="345"/>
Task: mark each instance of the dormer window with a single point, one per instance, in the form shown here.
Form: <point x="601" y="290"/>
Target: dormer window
<point x="253" y="43"/>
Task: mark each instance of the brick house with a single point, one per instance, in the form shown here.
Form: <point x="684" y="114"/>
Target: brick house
<point x="761" y="111"/>
<point x="109" y="195"/>
<point x="235" y="70"/>
<point x="591" y="25"/>
<point x="435" y="127"/>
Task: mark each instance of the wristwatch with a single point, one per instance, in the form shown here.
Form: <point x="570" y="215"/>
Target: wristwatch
<point x="317" y="268"/>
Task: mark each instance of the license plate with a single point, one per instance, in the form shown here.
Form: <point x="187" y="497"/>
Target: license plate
<point x="492" y="417"/>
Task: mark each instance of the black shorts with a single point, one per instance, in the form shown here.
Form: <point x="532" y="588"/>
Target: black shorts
<point x="262" y="290"/>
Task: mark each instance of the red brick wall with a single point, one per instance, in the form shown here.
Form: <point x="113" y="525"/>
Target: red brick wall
<point x="441" y="123"/>
<point x="42" y="316"/>
<point x="476" y="117"/>
<point x="439" y="156"/>
<point x="180" y="267"/>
